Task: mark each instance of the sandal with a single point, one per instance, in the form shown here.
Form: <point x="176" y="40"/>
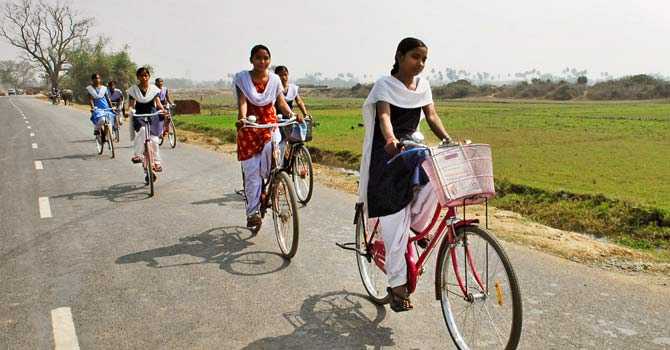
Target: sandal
<point x="157" y="167"/>
<point x="136" y="159"/>
<point x="399" y="303"/>
<point x="254" y="222"/>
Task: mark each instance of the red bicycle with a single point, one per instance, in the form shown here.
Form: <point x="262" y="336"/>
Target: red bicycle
<point x="474" y="279"/>
<point x="149" y="158"/>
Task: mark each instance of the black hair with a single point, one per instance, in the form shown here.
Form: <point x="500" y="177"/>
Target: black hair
<point x="257" y="48"/>
<point x="94" y="75"/>
<point x="142" y="70"/>
<point x="111" y="82"/>
<point x="280" y="69"/>
<point x="406" y="45"/>
<point x="157" y="79"/>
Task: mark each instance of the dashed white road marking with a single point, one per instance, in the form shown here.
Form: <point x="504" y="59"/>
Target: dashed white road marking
<point x="34" y="145"/>
<point x="39" y="165"/>
<point x="45" y="207"/>
<point x="65" y="336"/>
<point x="27" y="122"/>
<point x="29" y="127"/>
<point x="32" y="134"/>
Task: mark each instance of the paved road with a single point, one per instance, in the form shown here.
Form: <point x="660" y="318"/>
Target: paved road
<point x="123" y="271"/>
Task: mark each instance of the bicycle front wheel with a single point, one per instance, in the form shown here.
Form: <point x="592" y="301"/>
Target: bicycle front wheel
<point x="302" y="174"/>
<point x="373" y="278"/>
<point x="285" y="214"/>
<point x="148" y="165"/>
<point x="480" y="296"/>
<point x="172" y="134"/>
<point x="99" y="146"/>
<point x="110" y="140"/>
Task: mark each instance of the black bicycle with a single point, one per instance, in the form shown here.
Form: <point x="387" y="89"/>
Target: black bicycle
<point x="279" y="196"/>
<point x="106" y="134"/>
<point x="298" y="162"/>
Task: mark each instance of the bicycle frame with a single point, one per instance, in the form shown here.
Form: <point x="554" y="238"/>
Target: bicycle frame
<point x="287" y="158"/>
<point x="268" y="185"/>
<point x="147" y="135"/>
<point x="448" y="226"/>
<point x="106" y="123"/>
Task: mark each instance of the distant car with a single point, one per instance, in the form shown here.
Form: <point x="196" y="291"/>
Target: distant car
<point x="11" y="92"/>
<point x="20" y="92"/>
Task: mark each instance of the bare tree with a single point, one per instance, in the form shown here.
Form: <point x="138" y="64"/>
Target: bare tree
<point x="44" y="32"/>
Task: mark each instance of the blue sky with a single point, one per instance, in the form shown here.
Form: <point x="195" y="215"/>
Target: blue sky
<point x="206" y="40"/>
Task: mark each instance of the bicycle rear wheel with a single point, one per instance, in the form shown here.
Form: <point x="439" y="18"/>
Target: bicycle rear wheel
<point x="489" y="314"/>
<point x="172" y="134"/>
<point x="373" y="278"/>
<point x="285" y="214"/>
<point x="302" y="174"/>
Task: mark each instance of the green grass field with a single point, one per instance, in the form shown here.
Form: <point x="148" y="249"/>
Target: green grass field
<point x="594" y="167"/>
<point x="620" y="150"/>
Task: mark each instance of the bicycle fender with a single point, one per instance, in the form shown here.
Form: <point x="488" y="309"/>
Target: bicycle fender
<point x="444" y="249"/>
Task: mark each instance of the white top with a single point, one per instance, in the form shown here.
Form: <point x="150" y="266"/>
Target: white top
<point x="244" y="83"/>
<point x="391" y="90"/>
<point x="96" y="94"/>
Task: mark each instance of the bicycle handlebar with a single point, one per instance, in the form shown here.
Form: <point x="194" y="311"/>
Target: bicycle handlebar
<point x="248" y="124"/>
<point x="147" y="114"/>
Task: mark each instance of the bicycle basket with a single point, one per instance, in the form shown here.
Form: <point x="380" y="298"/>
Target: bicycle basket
<point x="298" y="132"/>
<point x="462" y="175"/>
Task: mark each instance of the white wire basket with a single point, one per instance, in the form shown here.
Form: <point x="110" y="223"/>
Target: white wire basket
<point x="461" y="175"/>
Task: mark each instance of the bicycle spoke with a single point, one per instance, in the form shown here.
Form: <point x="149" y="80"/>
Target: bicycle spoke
<point x="488" y="313"/>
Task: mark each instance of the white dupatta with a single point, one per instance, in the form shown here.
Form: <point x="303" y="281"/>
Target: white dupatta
<point x="137" y="95"/>
<point x="97" y="94"/>
<point x="291" y="93"/>
<point x="391" y="90"/>
<point x="244" y="83"/>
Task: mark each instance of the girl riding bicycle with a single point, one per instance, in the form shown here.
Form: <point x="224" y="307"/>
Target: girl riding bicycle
<point x="393" y="185"/>
<point x="257" y="92"/>
<point x="290" y="91"/>
<point x="99" y="102"/>
<point x="143" y="99"/>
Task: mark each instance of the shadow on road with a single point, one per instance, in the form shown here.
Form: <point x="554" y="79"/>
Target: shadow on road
<point x="91" y="140"/>
<point x="335" y="320"/>
<point x="119" y="193"/>
<point x="227" y="198"/>
<point x="87" y="156"/>
<point x="222" y="246"/>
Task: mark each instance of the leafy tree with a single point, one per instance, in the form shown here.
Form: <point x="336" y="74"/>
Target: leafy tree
<point x="17" y="74"/>
<point x="87" y="58"/>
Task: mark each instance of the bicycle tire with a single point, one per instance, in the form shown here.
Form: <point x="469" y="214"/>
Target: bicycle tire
<point x="501" y="292"/>
<point x="149" y="161"/>
<point x="110" y="141"/>
<point x="98" y="143"/>
<point x="279" y="214"/>
<point x="302" y="174"/>
<point x="172" y="134"/>
<point x="373" y="278"/>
